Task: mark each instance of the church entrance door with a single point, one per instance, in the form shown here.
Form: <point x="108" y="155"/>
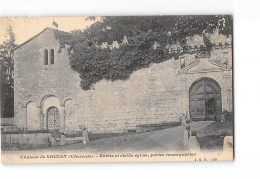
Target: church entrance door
<point x="53" y="118"/>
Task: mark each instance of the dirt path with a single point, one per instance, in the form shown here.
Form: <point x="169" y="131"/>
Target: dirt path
<point x="162" y="140"/>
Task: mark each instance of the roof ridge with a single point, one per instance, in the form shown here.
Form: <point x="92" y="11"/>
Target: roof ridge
<point x="33" y="37"/>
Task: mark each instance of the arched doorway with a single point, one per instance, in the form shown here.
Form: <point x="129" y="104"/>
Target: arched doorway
<point x="205" y="99"/>
<point x="53" y="118"/>
<point x="47" y="103"/>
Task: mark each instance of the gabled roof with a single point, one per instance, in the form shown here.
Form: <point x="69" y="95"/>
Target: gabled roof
<point x="47" y="28"/>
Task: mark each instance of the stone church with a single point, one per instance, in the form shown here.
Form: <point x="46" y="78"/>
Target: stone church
<point x="48" y="95"/>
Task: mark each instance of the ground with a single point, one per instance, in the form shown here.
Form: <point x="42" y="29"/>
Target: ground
<point x="211" y="137"/>
<point x="161" y="140"/>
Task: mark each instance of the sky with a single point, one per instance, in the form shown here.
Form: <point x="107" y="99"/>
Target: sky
<point x="25" y="28"/>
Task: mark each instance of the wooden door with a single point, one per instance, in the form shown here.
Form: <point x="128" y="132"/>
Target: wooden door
<point x="205" y="99"/>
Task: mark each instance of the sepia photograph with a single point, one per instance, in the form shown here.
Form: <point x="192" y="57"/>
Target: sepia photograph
<point x="87" y="89"/>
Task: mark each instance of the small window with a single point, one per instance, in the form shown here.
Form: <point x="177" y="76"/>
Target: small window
<point x="46" y="57"/>
<point x="52" y="56"/>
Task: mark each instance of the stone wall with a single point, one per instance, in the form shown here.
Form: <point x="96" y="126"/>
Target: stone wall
<point x="150" y="95"/>
<point x="33" y="140"/>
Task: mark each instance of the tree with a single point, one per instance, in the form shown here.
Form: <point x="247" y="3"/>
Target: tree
<point x="7" y="74"/>
<point x="94" y="63"/>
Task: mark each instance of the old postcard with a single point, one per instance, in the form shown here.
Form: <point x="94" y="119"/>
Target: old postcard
<point x="117" y="89"/>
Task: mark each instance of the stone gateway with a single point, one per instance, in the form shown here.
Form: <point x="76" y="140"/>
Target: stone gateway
<point x="48" y="96"/>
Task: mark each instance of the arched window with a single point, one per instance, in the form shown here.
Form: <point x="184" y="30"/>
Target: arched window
<point x="52" y="56"/>
<point x="46" y="57"/>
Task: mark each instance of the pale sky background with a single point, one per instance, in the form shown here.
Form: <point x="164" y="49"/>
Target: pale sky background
<point x="25" y="28"/>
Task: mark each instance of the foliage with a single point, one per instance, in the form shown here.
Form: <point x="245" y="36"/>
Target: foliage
<point x="94" y="63"/>
<point x="7" y="73"/>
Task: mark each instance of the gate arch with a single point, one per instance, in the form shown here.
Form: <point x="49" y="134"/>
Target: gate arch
<point x="205" y="100"/>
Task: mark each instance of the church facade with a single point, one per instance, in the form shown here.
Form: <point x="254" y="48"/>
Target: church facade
<point x="48" y="95"/>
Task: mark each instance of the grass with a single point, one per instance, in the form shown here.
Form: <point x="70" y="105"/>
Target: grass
<point x="158" y="126"/>
<point x="145" y="128"/>
<point x="212" y="136"/>
<point x="96" y="136"/>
